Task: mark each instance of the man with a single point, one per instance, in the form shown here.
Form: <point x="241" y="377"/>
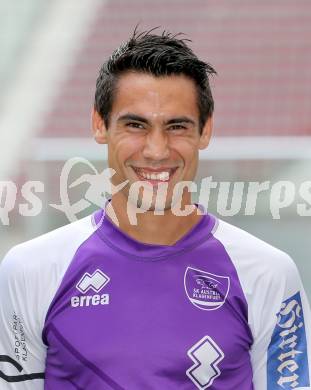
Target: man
<point x="173" y="301"/>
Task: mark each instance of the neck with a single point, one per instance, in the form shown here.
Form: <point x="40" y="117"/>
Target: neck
<point x="149" y="228"/>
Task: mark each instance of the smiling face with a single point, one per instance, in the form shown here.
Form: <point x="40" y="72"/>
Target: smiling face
<point x="153" y="133"/>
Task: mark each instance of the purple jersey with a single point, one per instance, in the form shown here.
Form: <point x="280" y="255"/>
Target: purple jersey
<point x="92" y="308"/>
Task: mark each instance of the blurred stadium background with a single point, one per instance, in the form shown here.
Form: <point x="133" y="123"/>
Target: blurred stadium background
<point x="50" y="56"/>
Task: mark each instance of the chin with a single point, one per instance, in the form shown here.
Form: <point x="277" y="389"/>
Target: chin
<point x="156" y="205"/>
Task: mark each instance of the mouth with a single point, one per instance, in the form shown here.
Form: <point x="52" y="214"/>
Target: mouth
<point x="155" y="176"/>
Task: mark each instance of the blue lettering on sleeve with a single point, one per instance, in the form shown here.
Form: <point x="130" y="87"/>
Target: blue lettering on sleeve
<point x="287" y="366"/>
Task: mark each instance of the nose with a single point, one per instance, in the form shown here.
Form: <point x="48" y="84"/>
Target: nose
<point x="156" y="145"/>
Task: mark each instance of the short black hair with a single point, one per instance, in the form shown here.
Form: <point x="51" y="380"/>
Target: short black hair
<point x="159" y="55"/>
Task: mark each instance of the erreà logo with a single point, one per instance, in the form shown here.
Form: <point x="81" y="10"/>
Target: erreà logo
<point x="91" y="282"/>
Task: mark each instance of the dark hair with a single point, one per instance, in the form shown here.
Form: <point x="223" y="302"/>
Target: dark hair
<point x="159" y="55"/>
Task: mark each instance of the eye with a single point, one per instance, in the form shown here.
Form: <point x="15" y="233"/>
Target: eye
<point x="135" y="125"/>
<point x="177" y="127"/>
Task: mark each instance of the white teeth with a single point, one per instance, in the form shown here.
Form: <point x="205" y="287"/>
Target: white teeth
<point x="161" y="176"/>
<point x="164" y="176"/>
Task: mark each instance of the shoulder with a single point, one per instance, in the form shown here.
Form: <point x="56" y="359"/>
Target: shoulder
<point x="31" y="272"/>
<point x="267" y="275"/>
<point x="251" y="254"/>
<point x="50" y="249"/>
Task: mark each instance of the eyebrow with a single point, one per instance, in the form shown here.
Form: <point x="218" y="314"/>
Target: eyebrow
<point x="133" y="117"/>
<point x="138" y="118"/>
<point x="180" y="119"/>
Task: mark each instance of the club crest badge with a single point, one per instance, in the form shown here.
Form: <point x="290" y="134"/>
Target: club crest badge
<point x="205" y="290"/>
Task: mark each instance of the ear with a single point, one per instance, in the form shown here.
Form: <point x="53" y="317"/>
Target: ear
<point x="98" y="127"/>
<point x="206" y="133"/>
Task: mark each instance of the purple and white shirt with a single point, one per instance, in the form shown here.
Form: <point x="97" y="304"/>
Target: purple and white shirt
<point x="88" y="307"/>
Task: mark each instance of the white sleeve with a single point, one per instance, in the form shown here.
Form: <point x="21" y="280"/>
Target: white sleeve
<point x="281" y="324"/>
<point x="30" y="275"/>
<point x="278" y="311"/>
<point x="22" y="352"/>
